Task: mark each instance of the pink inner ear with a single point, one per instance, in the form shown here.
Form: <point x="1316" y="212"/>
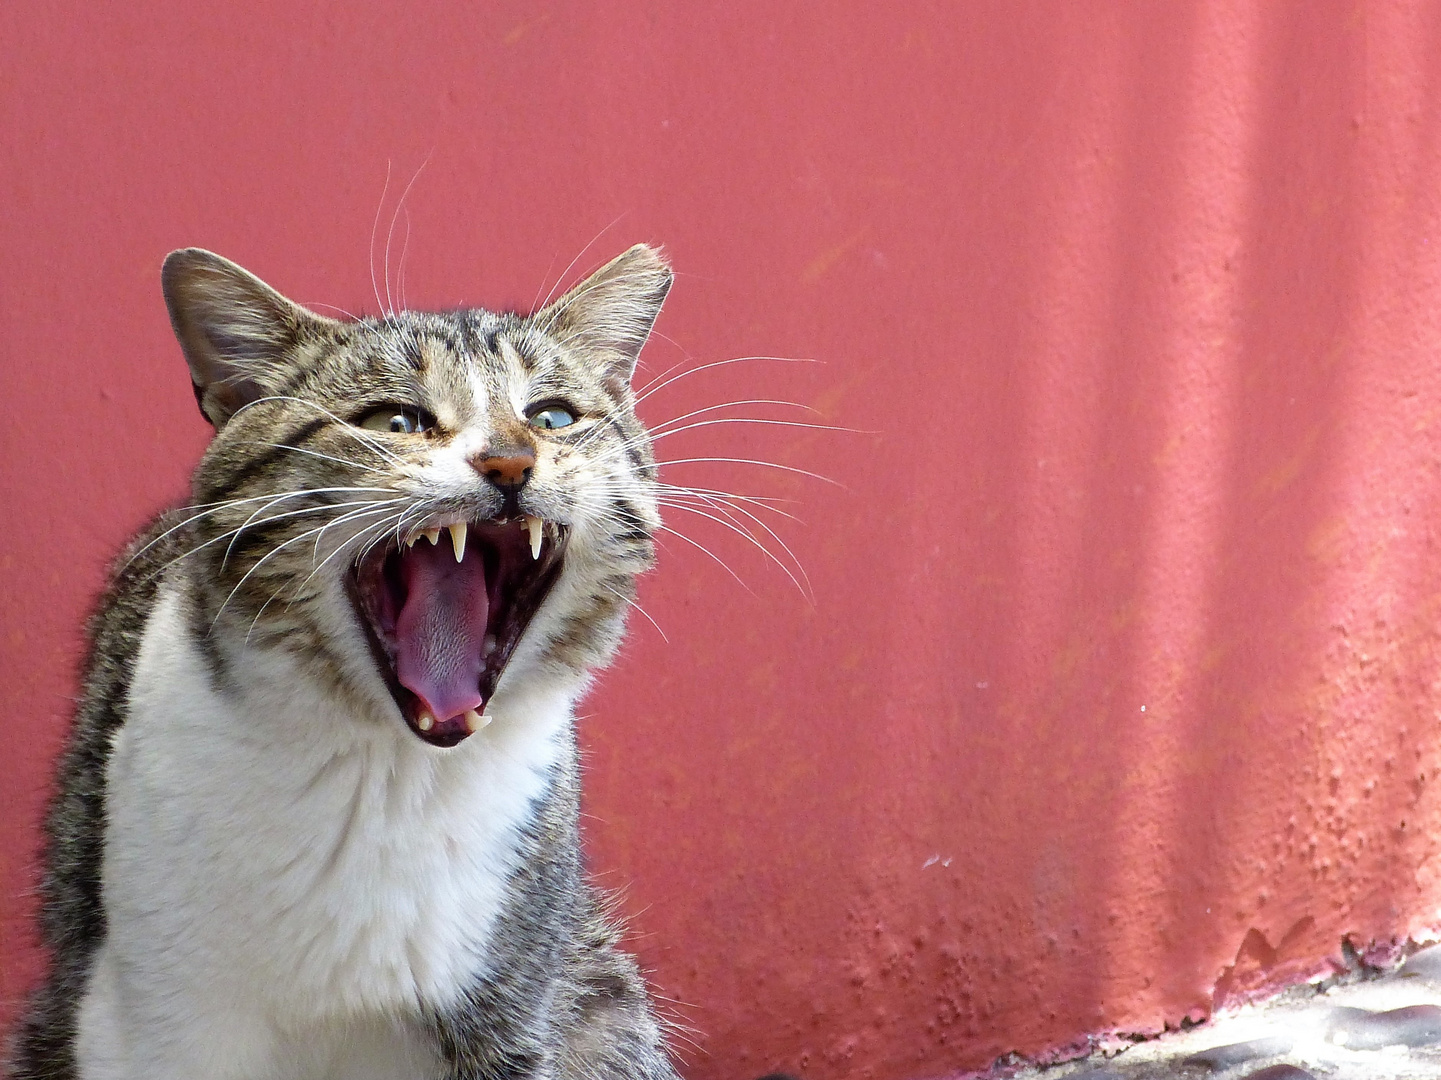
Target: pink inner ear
<point x="440" y="631"/>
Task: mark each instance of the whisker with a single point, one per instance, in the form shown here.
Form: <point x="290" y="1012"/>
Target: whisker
<point x="761" y="501"/>
<point x="400" y="274"/>
<point x="535" y="300"/>
<point x="235" y="533"/>
<point x="374" y="225"/>
<point x="751" y="420"/>
<point x="417" y="511"/>
<point x="341" y="520"/>
<point x="331" y="307"/>
<point x="348" y="429"/>
<point x="383" y="526"/>
<point x="297" y="589"/>
<point x="225" y="504"/>
<point x="579" y="255"/>
<point x="579" y="293"/>
<point x="803" y="590"/>
<point x="727" y="405"/>
<point x="656" y="378"/>
<point x="753" y="461"/>
<point x="725" y="508"/>
<point x="643" y="611"/>
<point x="323" y="457"/>
<point x="650" y="389"/>
<point x="613" y="453"/>
<point x="660" y="335"/>
<point x="215" y="540"/>
<point x="713" y="555"/>
<point x="720" y="503"/>
<point x="390" y="233"/>
<point x="266" y="558"/>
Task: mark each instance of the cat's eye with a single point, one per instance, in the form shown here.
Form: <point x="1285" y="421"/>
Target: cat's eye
<point x="551" y="417"/>
<point x="396" y="419"/>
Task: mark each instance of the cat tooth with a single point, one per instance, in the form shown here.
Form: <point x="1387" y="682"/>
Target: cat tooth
<point x="424" y="721"/>
<point x="487" y="645"/>
<point x="457" y="539"/>
<point x="474" y="721"/>
<point x="433" y="535"/>
<point x="409" y="541"/>
<point x="534" y="526"/>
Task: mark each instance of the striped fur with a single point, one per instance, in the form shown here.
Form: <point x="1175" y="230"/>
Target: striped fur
<point x="253" y="868"/>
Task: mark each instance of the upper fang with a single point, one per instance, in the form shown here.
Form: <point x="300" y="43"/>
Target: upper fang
<point x="534" y="526"/>
<point x="457" y="540"/>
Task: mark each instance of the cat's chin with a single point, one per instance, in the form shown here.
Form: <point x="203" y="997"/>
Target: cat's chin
<point x="444" y="608"/>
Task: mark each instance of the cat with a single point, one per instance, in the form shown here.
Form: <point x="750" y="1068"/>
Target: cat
<point x="318" y="813"/>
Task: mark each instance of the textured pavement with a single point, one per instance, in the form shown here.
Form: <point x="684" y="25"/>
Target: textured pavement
<point x="1363" y="1026"/>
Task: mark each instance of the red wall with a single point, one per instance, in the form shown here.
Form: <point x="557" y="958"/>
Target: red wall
<point x="1121" y="689"/>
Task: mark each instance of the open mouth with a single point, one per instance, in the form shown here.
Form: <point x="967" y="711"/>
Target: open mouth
<point x="445" y="609"/>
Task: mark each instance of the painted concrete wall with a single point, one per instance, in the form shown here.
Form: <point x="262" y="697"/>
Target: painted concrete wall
<point x="1120" y="693"/>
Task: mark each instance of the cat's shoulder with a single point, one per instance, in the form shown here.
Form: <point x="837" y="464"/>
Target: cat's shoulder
<point x="118" y="617"/>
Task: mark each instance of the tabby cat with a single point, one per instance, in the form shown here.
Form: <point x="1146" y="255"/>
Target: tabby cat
<point x="318" y="814"/>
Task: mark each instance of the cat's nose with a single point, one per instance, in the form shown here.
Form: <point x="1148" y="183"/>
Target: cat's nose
<point x="507" y="470"/>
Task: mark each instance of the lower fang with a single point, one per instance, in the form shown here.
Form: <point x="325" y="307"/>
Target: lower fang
<point x="474" y="721"/>
<point x="488" y="645"/>
<point x="424" y="721"/>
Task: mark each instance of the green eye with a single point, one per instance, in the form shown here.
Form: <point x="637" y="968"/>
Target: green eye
<point x="396" y="419"/>
<point x="550" y="417"/>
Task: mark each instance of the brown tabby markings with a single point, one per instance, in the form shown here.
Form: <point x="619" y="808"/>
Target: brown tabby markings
<point x="288" y="497"/>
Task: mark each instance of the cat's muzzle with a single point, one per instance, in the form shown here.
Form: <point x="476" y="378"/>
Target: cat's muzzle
<point x="444" y="609"/>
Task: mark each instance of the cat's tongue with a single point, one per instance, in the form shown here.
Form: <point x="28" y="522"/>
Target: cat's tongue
<point x="441" y="628"/>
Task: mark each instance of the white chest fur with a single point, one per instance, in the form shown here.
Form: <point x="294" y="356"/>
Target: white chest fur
<point x="275" y="868"/>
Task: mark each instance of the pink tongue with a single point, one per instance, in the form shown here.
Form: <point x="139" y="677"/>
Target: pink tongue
<point x="441" y="628"/>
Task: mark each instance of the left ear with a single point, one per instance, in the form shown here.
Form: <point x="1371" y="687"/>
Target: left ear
<point x="237" y="332"/>
<point x="609" y="315"/>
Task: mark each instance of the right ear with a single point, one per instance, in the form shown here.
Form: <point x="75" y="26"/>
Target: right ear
<point x="237" y="332"/>
<point x="609" y="315"/>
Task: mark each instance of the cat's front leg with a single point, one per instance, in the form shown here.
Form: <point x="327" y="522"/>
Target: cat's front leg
<point x="610" y="1030"/>
<point x="128" y="1031"/>
<point x="494" y="1033"/>
<point x="614" y="1043"/>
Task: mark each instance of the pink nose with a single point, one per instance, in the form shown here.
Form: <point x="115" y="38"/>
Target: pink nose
<point x="508" y="471"/>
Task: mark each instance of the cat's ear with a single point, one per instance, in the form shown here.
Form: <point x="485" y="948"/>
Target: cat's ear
<point x="237" y="332"/>
<point x="609" y="315"/>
